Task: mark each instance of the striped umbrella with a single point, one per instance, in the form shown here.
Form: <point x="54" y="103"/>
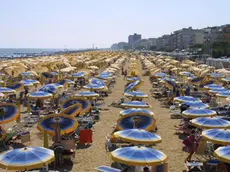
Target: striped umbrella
<point x="186" y="99"/>
<point x="87" y="94"/>
<point x="79" y="74"/>
<point x="94" y="87"/>
<point x="8" y="112"/>
<point x="29" y="81"/>
<point x="195" y="113"/>
<point x="26" y="158"/>
<point x="210" y="122"/>
<point x="213" y="86"/>
<point x="135" y="104"/>
<point x="223" y="154"/>
<point x="70" y="81"/>
<point x="217" y="75"/>
<point x="66" y="123"/>
<point x="86" y="106"/>
<point x="223" y="94"/>
<point x="161" y="75"/>
<point x="40" y="95"/>
<point x="138" y="156"/>
<point x="50" y="88"/>
<point x="16" y="87"/>
<point x="27" y="74"/>
<point x="97" y="81"/>
<point x="136" y="94"/>
<point x="218" y="90"/>
<point x="72" y="110"/>
<point x="132" y="79"/>
<point x="138" y="136"/>
<point x="136" y="111"/>
<point x="196" y="104"/>
<point x="133" y="85"/>
<point x="217" y="136"/>
<point x="146" y="122"/>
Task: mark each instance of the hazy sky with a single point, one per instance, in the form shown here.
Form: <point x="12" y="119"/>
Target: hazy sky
<point x="81" y="23"/>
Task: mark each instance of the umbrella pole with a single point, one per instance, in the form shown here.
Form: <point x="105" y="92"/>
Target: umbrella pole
<point x="28" y="104"/>
<point x="19" y="109"/>
<point x="45" y="140"/>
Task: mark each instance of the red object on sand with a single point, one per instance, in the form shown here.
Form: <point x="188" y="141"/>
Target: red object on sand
<point x="86" y="136"/>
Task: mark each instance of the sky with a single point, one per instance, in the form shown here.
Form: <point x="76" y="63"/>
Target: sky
<point x="82" y="23"/>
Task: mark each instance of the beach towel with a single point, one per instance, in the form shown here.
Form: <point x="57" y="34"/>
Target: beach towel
<point x="86" y="136"/>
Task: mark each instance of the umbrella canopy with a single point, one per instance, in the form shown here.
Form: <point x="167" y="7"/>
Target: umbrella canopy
<point x="87" y="94"/>
<point x="226" y="79"/>
<point x="26" y="158"/>
<point x="217" y="136"/>
<point x="210" y="122"/>
<point x="186" y="99"/>
<point x="6" y="90"/>
<point x="27" y="74"/>
<point x="217" y="75"/>
<point x="72" y="110"/>
<point x="40" y="95"/>
<point x="49" y="88"/>
<point x="223" y="153"/>
<point x="17" y="87"/>
<point x="195" y="113"/>
<point x="132" y="85"/>
<point x="70" y="81"/>
<point x="79" y="74"/>
<point x="138" y="136"/>
<point x="161" y="75"/>
<point x="136" y="111"/>
<point x="224" y="94"/>
<point x="135" y="104"/>
<point x="8" y="112"/>
<point x="185" y="73"/>
<point x="138" y="156"/>
<point x="94" y="87"/>
<point x="146" y="122"/>
<point x="97" y="81"/>
<point x="66" y="123"/>
<point x="86" y="106"/>
<point x="218" y="90"/>
<point x="196" y="104"/>
<point x="29" y="81"/>
<point x="213" y="86"/>
<point x="136" y="94"/>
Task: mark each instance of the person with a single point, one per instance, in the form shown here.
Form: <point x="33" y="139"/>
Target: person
<point x="146" y="169"/>
<point x="183" y="107"/>
<point x="125" y="74"/>
<point x="187" y="91"/>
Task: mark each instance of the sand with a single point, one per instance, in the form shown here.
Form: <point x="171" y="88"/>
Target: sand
<point x="88" y="158"/>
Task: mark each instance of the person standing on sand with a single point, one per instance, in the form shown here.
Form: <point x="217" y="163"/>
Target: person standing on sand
<point x="125" y="74"/>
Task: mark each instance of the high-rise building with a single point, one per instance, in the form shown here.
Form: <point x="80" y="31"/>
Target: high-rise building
<point x="132" y="39"/>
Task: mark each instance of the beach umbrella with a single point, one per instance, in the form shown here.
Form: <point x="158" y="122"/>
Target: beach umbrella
<point x="196" y="80"/>
<point x="29" y="81"/>
<point x="79" y="74"/>
<point x="217" y="75"/>
<point x="105" y="75"/>
<point x="88" y="94"/>
<point x="210" y="122"/>
<point x="213" y="86"/>
<point x="223" y="154"/>
<point x="40" y="95"/>
<point x="8" y="112"/>
<point x="225" y="79"/>
<point x="217" y="136"/>
<point x="97" y="81"/>
<point x="16" y="87"/>
<point x="49" y="88"/>
<point x="94" y="87"/>
<point x="26" y="158"/>
<point x="195" y="113"/>
<point x="6" y="90"/>
<point x="133" y="85"/>
<point x="146" y="122"/>
<point x="138" y="136"/>
<point x="218" y="90"/>
<point x="66" y="123"/>
<point x="160" y="75"/>
<point x="186" y="99"/>
<point x="62" y="82"/>
<point x="196" y="104"/>
<point x="132" y="79"/>
<point x="86" y="106"/>
<point x="138" y="156"/>
<point x="223" y="94"/>
<point x="70" y="81"/>
<point x="137" y="94"/>
<point x="27" y="74"/>
<point x="185" y="73"/>
<point x="135" y="104"/>
<point x="72" y="110"/>
<point x="136" y="111"/>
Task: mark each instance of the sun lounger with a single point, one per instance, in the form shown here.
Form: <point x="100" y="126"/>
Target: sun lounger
<point x="194" y="166"/>
<point x="104" y="168"/>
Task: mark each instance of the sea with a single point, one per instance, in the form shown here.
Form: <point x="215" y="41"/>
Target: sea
<point x="27" y="52"/>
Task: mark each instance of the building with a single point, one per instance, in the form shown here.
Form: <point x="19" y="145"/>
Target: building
<point x="132" y="39"/>
<point x="163" y="42"/>
<point x="152" y="43"/>
<point x="120" y="46"/>
<point x="224" y="34"/>
<point x="198" y="37"/>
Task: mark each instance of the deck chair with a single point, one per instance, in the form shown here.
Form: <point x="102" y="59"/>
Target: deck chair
<point x="194" y="166"/>
<point x="104" y="168"/>
<point x="211" y="165"/>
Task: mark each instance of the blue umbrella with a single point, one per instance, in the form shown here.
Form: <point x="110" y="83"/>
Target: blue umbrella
<point x="136" y="111"/>
<point x="210" y="122"/>
<point x="17" y="87"/>
<point x="132" y="85"/>
<point x="94" y="87"/>
<point x="79" y="74"/>
<point x="26" y="158"/>
<point x="97" y="81"/>
<point x="226" y="79"/>
<point x="138" y="136"/>
<point x="105" y="75"/>
<point x="186" y="99"/>
<point x="213" y="86"/>
<point x="135" y="104"/>
<point x="217" y="75"/>
<point x="6" y="90"/>
<point x="218" y="90"/>
<point x="87" y="94"/>
<point x="138" y="156"/>
<point x="195" y="113"/>
<point x="223" y="94"/>
<point x="161" y="75"/>
<point x="26" y="74"/>
<point x="217" y="136"/>
<point x="53" y="73"/>
<point x="62" y="82"/>
<point x="70" y="81"/>
<point x="146" y="122"/>
<point x="185" y="73"/>
<point x="9" y="112"/>
<point x="136" y="94"/>
<point x="196" y="104"/>
<point x="223" y="154"/>
<point x="50" y="88"/>
<point x="29" y="81"/>
<point x="40" y="95"/>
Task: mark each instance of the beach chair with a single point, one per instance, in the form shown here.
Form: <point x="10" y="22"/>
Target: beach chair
<point x="104" y="168"/>
<point x="194" y="166"/>
<point x="211" y="165"/>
